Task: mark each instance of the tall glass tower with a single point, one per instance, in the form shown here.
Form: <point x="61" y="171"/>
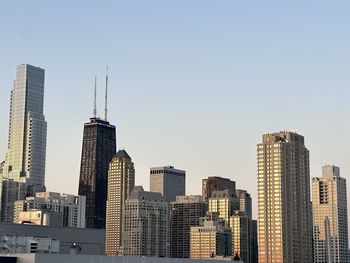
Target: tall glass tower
<point x="24" y="165"/>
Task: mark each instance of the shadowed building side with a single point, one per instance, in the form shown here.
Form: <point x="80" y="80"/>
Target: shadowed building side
<point x="99" y="147"/>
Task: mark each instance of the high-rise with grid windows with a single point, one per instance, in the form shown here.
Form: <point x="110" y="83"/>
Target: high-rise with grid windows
<point x="121" y="181"/>
<point x="284" y="207"/>
<point x="145" y="224"/>
<point x="99" y="146"/>
<point x="184" y="213"/>
<point x="24" y="166"/>
<point x="168" y="181"/>
<point x="330" y="216"/>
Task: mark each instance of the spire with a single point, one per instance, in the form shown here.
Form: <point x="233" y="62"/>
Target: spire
<point x="95" y="110"/>
<point x="106" y="93"/>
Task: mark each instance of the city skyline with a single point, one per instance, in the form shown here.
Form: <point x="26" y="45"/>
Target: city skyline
<point x="210" y="131"/>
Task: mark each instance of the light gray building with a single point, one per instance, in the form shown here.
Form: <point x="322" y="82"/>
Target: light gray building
<point x="24" y="164"/>
<point x="168" y="181"/>
<point x="330" y="217"/>
<point x="87" y="241"/>
<point x="68" y="209"/>
<point x="145" y="225"/>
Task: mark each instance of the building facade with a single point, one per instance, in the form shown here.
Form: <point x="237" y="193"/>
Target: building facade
<point x="329" y="204"/>
<point x="121" y="181"/>
<point x="284" y="207"/>
<point x="241" y="225"/>
<point x="51" y="209"/>
<point x="245" y="202"/>
<point x="210" y="240"/>
<point x="28" y="244"/>
<point x="234" y="208"/>
<point x="99" y="147"/>
<point x="184" y="213"/>
<point x="24" y="165"/>
<point x="145" y="224"/>
<point x="168" y="181"/>
<point x="254" y="258"/>
<point x="215" y="183"/>
<point x="224" y="203"/>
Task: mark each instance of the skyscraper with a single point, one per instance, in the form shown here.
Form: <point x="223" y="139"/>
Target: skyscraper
<point x="330" y="218"/>
<point x="215" y="183"/>
<point x="145" y="224"/>
<point x="24" y="166"/>
<point x="284" y="207"/>
<point x="121" y="181"/>
<point x="185" y="212"/>
<point x="168" y="181"/>
<point x="99" y="147"/>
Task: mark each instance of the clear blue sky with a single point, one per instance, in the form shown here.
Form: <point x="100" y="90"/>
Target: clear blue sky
<point x="193" y="84"/>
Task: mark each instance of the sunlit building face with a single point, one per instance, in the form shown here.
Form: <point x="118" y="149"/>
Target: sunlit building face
<point x="330" y="219"/>
<point x="121" y="181"/>
<point x="284" y="199"/>
<point x="26" y="154"/>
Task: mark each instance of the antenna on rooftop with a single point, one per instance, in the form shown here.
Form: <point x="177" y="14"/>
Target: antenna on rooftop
<point x="95" y="110"/>
<point x="106" y="93"/>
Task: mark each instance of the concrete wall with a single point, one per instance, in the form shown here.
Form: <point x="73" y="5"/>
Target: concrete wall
<point x="45" y="258"/>
<point x="91" y="241"/>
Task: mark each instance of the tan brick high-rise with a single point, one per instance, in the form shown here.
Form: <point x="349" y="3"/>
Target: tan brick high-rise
<point x="330" y="217"/>
<point x="121" y="181"/>
<point x="284" y="207"/>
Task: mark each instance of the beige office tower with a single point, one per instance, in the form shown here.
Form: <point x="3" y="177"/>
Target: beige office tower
<point x="211" y="240"/>
<point x="121" y="181"/>
<point x="145" y="224"/>
<point x="168" y="181"/>
<point x="330" y="217"/>
<point x="284" y="207"/>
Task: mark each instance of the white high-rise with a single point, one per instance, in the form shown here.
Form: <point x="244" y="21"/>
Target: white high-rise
<point x="25" y="158"/>
<point x="330" y="216"/>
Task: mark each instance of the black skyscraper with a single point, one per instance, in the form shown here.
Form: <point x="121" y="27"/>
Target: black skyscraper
<point x="99" y="147"/>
